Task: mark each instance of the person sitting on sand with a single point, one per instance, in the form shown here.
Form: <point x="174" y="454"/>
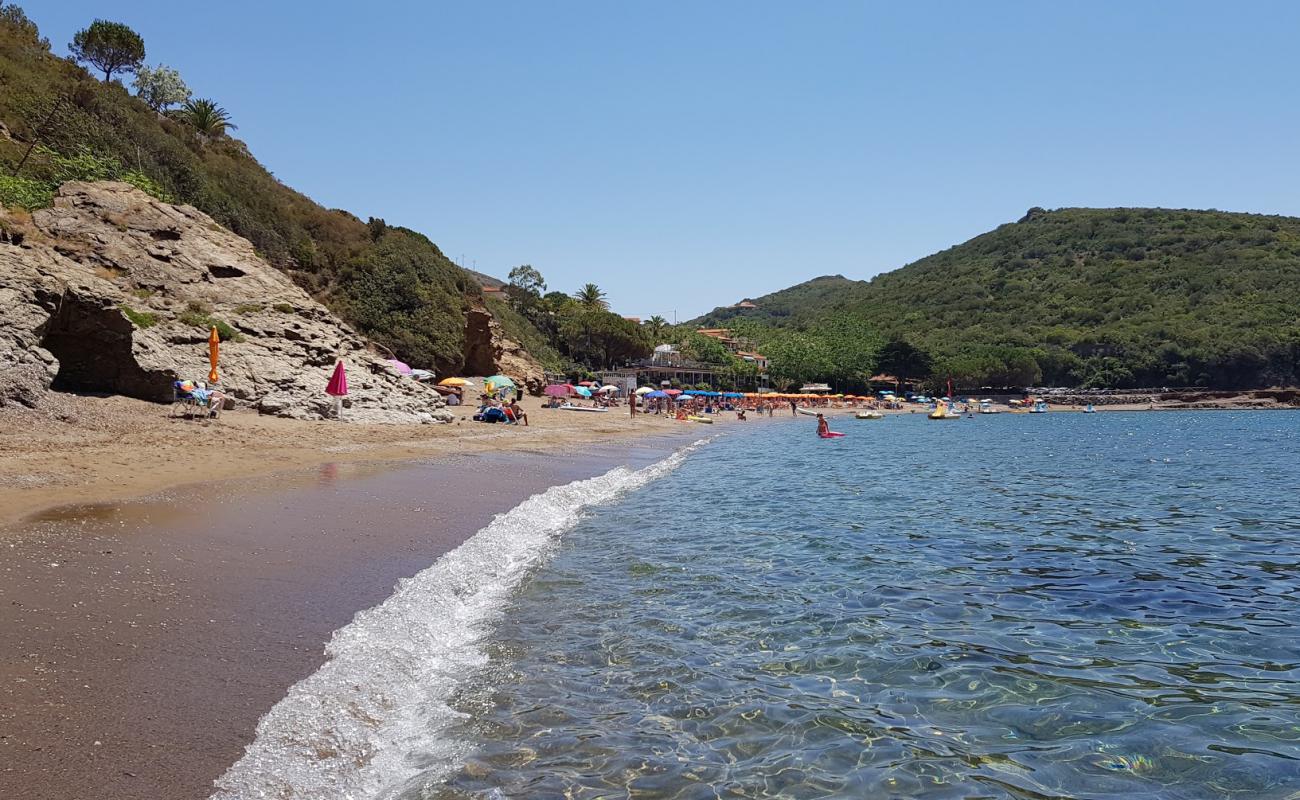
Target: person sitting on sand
<point x="518" y="413"/>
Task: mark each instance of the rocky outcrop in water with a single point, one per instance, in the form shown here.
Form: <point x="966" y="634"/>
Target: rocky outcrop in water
<point x="111" y="291"/>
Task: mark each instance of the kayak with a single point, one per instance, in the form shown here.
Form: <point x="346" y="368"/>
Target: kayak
<point x="830" y="435"/>
<point x="567" y="407"/>
<point x="705" y="420"/>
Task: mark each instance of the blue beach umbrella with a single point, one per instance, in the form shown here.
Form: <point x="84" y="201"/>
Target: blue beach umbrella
<point x="583" y="390"/>
<point x="655" y="395"/>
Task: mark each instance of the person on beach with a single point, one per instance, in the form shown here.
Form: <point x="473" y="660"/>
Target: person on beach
<point x="823" y="427"/>
<point x="517" y="412"/>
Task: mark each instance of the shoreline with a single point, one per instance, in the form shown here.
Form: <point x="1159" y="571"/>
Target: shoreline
<point x="147" y="638"/>
<point x="87" y="451"/>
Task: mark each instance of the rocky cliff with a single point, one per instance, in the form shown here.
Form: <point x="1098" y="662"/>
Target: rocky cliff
<point x="111" y="291"/>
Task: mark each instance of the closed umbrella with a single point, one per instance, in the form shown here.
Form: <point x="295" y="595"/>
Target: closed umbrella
<point x="214" y="347"/>
<point x="338" y="388"/>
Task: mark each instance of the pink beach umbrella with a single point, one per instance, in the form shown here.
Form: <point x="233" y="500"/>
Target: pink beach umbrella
<point x="559" y="390"/>
<point x="338" y="385"/>
<point x="400" y="366"/>
<point x="337" y="388"/>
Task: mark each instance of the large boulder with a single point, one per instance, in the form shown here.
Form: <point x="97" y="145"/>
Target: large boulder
<point x="113" y="291"/>
<point x="488" y="351"/>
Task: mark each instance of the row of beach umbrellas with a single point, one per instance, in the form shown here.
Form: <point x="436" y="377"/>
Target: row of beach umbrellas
<point x="583" y="389"/>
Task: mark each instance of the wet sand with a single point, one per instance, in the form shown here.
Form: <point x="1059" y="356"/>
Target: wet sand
<point x="140" y="642"/>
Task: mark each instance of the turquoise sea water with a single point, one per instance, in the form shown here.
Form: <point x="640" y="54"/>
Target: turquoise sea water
<point x="1061" y="605"/>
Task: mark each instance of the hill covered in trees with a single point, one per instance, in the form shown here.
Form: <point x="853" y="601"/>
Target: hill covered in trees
<point x="60" y="122"/>
<point x="1118" y="297"/>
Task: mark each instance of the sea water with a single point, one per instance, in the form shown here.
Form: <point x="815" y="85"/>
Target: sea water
<point x="1036" y="606"/>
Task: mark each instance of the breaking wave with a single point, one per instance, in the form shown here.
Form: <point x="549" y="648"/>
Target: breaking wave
<point x="368" y="720"/>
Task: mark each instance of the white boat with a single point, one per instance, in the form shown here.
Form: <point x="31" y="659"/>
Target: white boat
<point x="868" y="415"/>
<point x="1088" y="409"/>
<point x="1039" y="408"/>
<point x="567" y="407"/>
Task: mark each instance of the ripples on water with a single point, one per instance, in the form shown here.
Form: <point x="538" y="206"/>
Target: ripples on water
<point x="1059" y="606"/>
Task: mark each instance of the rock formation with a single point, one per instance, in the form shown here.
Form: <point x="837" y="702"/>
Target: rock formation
<point x="112" y="291"/>
<point x="489" y="351"/>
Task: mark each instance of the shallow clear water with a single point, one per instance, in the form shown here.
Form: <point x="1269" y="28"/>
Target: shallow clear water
<point x="1012" y="606"/>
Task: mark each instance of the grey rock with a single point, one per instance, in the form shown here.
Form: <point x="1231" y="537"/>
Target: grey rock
<point x="111" y="291"/>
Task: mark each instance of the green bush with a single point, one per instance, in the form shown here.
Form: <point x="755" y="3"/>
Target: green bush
<point x="25" y="193"/>
<point x="140" y="319"/>
<point x="249" y="308"/>
<point x="197" y="315"/>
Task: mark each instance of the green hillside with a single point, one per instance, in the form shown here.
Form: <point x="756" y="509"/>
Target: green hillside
<point x="1096" y="297"/>
<point x="64" y="123"/>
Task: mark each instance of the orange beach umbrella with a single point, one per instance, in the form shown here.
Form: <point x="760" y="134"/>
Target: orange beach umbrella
<point x="214" y="347"/>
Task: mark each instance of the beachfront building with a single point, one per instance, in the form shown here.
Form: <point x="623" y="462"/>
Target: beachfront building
<point x="663" y="368"/>
<point x="738" y="346"/>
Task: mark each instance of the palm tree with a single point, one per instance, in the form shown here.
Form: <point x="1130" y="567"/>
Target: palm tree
<point x="656" y="324"/>
<point x="592" y="297"/>
<point x="206" y="117"/>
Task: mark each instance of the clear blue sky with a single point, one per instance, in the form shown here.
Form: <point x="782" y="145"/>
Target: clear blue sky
<point x="686" y="155"/>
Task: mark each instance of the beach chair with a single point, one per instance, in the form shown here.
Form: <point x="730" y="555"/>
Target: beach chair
<point x="196" y="400"/>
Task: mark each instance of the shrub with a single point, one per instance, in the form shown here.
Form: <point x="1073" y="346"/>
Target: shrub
<point x="198" y="315"/>
<point x="140" y="319"/>
<point x="25" y="193"/>
<point x="249" y="308"/>
<point x="283" y="308"/>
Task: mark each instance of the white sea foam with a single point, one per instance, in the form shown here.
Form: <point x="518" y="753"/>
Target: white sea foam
<point x="369" y="719"/>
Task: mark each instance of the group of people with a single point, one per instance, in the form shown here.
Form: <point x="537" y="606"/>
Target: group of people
<point x="500" y="408"/>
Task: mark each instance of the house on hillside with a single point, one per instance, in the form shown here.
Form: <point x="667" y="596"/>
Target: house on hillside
<point x="741" y="348"/>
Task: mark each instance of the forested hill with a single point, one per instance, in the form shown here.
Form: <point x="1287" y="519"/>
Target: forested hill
<point x="1103" y="297"/>
<point x="60" y="122"/>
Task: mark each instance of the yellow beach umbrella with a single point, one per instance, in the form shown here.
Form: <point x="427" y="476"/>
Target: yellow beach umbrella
<point x="214" y="347"/>
<point x="455" y="382"/>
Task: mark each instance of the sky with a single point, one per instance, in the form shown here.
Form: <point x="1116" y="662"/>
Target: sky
<point x="686" y="155"/>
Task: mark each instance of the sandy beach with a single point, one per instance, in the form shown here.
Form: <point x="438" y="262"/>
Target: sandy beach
<point x="142" y="639"/>
<point x="82" y="450"/>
